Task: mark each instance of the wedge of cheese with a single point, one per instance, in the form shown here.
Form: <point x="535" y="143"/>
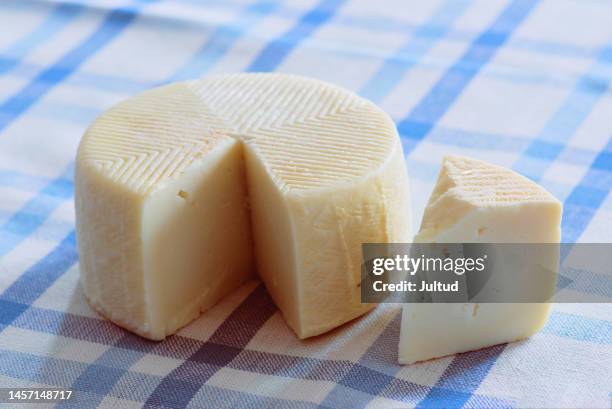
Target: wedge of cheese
<point x="476" y="202"/>
<point x="183" y="192"/>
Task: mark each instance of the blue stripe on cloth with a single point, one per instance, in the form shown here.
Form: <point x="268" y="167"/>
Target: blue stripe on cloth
<point x="54" y="228"/>
<point x="212" y="396"/>
<point x="222" y="39"/>
<point x="37" y="279"/>
<point x="374" y="375"/>
<point x="72" y="113"/>
<point x="376" y="22"/>
<point x="225" y="344"/>
<point x="461" y="378"/>
<point x="30" y="367"/>
<point x="38" y="209"/>
<point x="94" y="330"/>
<point x="9" y="311"/>
<point x="422" y="40"/>
<point x="34" y="213"/>
<point x="580" y="328"/>
<point x="353" y="392"/>
<point x="127" y="86"/>
<point x="114" y="23"/>
<point x="603" y="161"/>
<point x="447" y="89"/>
<point x="278" y="49"/>
<point x="98" y="81"/>
<point x="101" y="376"/>
<point x="23" y="181"/>
<point x="57" y="20"/>
<point x="45" y="370"/>
<point x="104" y="381"/>
<point x="103" y="332"/>
<point x="583" y="281"/>
<point x="184" y="379"/>
<point x="65" y="324"/>
<point x="30" y="285"/>
<point x="588" y="90"/>
<point x="33" y="283"/>
<point x="583" y="201"/>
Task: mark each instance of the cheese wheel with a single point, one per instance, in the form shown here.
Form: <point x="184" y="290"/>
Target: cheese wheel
<point x="186" y="191"/>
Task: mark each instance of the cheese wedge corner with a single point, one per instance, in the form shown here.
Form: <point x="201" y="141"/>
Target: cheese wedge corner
<point x="477" y="202"/>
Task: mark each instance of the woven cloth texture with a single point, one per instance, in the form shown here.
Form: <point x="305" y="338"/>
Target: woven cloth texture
<point x="520" y="83"/>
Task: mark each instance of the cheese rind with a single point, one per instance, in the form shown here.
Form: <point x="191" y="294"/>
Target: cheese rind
<point x="476" y="202"/>
<point x="163" y="179"/>
<point x="330" y="227"/>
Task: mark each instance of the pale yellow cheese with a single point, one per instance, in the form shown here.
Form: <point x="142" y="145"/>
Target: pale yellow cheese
<point x="476" y="202"/>
<point x="184" y="191"/>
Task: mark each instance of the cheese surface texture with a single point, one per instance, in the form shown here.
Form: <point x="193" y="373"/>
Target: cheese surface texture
<point x="185" y="192"/>
<point x="476" y="202"/>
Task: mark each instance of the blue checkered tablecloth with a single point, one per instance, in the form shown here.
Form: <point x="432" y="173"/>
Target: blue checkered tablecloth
<point x="521" y="83"/>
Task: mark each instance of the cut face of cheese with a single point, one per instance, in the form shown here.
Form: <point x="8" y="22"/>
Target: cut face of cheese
<point x="183" y="192"/>
<point x="476" y="202"/>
